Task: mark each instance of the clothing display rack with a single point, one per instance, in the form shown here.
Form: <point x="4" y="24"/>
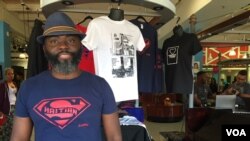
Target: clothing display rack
<point x="164" y="9"/>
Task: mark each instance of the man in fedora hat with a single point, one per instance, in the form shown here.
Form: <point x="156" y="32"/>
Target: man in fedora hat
<point x="64" y="103"/>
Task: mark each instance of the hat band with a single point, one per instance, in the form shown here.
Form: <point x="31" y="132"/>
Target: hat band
<point x="58" y="29"/>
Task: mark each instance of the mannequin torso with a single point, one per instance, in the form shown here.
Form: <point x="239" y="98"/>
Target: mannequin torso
<point x="116" y="14"/>
<point x="178" y="31"/>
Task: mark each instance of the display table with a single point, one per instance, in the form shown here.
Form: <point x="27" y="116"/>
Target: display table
<point x="172" y="113"/>
<point x="156" y="110"/>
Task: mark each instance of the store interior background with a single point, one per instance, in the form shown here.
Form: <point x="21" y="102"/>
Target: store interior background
<point x="221" y="25"/>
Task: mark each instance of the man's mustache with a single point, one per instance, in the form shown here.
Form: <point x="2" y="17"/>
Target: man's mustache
<point x="64" y="52"/>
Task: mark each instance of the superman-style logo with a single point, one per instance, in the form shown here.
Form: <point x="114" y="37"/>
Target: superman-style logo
<point x="61" y="111"/>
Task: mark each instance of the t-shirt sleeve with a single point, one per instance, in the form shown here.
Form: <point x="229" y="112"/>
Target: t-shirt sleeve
<point x="140" y="41"/>
<point x="109" y="104"/>
<point x="91" y="39"/>
<point x="22" y="96"/>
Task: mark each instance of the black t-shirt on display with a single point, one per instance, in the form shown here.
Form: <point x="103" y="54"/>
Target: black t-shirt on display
<point x="177" y="55"/>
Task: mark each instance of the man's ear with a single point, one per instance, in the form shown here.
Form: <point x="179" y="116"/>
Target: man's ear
<point x="44" y="50"/>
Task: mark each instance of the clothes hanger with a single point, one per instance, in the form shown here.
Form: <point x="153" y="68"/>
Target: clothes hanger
<point x="86" y="18"/>
<point x="142" y="18"/>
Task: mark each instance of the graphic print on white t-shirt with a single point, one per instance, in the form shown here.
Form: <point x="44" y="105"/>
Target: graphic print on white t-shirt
<point x="122" y="45"/>
<point x="172" y="55"/>
<point x="122" y="56"/>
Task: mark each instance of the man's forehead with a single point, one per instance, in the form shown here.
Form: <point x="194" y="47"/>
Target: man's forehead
<point x="62" y="36"/>
<point x="66" y="35"/>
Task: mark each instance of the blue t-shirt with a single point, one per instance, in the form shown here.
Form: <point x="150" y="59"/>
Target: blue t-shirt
<point x="146" y="59"/>
<point x="66" y="110"/>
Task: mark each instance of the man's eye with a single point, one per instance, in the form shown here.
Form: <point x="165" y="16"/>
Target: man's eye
<point x="53" y="42"/>
<point x="71" y="41"/>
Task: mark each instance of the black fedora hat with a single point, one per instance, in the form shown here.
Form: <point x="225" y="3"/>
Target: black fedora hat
<point x="59" y="23"/>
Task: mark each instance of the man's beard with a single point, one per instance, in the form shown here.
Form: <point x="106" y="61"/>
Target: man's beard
<point x="66" y="66"/>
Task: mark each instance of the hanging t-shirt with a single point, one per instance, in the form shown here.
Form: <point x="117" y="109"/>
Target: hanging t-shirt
<point x="146" y="59"/>
<point x="177" y="55"/>
<point x="87" y="60"/>
<point x="114" y="44"/>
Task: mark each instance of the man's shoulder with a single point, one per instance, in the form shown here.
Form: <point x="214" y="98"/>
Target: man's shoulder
<point x="91" y="76"/>
<point x="38" y="77"/>
<point x="247" y="85"/>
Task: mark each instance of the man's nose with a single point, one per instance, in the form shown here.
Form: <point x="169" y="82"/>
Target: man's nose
<point x="63" y="44"/>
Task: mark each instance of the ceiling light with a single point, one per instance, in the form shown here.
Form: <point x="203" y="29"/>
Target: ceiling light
<point x="116" y="0"/>
<point x="158" y="8"/>
<point x="67" y="2"/>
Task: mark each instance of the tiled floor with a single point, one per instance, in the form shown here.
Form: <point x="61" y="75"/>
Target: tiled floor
<point x="154" y="128"/>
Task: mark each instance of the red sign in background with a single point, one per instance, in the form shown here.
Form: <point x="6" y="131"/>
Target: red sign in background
<point x="211" y="54"/>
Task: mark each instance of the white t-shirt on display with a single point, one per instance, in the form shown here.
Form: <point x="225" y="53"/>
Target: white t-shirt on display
<point x="114" y="44"/>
